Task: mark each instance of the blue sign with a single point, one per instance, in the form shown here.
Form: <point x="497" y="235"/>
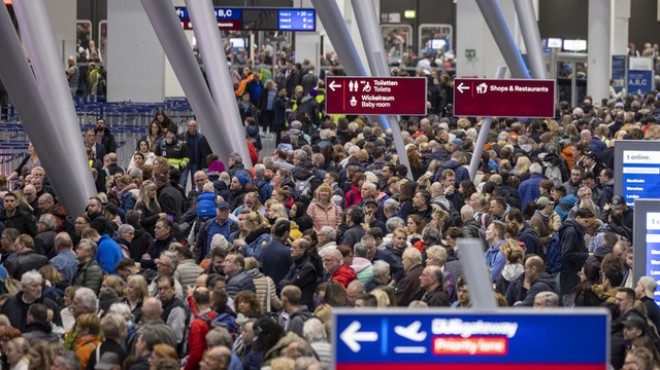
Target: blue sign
<point x="296" y="20"/>
<point x="640" y="82"/>
<point x="221" y="14"/>
<point x="619" y="72"/>
<point x="515" y="338"/>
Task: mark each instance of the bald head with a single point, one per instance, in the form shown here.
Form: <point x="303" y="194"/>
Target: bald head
<point x="152" y="309"/>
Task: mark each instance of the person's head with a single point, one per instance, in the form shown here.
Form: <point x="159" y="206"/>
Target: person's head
<point x="299" y="248"/>
<point x="137" y="288"/>
<point x="431" y="278"/>
<point x="94" y="206"/>
<point x="633" y="327"/>
<point x="247" y="303"/>
<point x="32" y="285"/>
<point x="166" y="287"/>
<point x="436" y="256"/>
<point x="546" y="300"/>
<point x="88" y="324"/>
<point x="152" y="309"/>
<point x="332" y="261"/>
<point x="462" y="292"/>
<point x="638" y="359"/>
<point x="399" y="238"/>
<point x="84" y="301"/>
<point x="216" y="358"/>
<point x="66" y="360"/>
<point x="534" y="268"/>
<point x="8" y="240"/>
<point x="41" y="355"/>
<point x="16" y="349"/>
<point x="583" y="216"/>
<point x="114" y="327"/>
<point x="232" y="263"/>
<point x="87" y="250"/>
<point x="410" y="258"/>
<point x="163" y="229"/>
<point x="167" y="263"/>
<point x="625" y="298"/>
<point x="495" y="232"/>
<point x="201" y="297"/>
<point x="381" y="271"/>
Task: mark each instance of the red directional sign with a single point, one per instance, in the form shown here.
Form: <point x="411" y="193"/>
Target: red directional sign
<point x="375" y="95"/>
<point x="504" y="98"/>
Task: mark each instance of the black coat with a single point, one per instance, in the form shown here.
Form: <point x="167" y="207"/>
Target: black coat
<point x="23" y="263"/>
<point x="435" y="298"/>
<point x="353" y="235"/>
<point x="16" y="310"/>
<point x="24" y="222"/>
<point x="574" y="254"/>
<point x="171" y="201"/>
<point x="302" y="274"/>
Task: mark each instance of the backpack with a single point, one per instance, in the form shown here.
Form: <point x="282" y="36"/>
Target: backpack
<point x="223" y="320"/>
<point x="553" y="257"/>
<point x="553" y="173"/>
<point x="304" y="188"/>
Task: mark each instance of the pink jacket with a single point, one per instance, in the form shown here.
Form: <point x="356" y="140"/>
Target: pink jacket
<point x="324" y="216"/>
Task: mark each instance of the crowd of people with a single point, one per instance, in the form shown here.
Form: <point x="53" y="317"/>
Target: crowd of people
<point x="240" y="268"/>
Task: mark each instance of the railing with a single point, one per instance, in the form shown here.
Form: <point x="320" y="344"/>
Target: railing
<point x="128" y="121"/>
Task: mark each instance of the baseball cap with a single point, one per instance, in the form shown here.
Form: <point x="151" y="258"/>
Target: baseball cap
<point x="543" y="202"/>
<point x="634" y="322"/>
<point x="592" y="155"/>
<point x="617" y="201"/>
<point x="222" y="205"/>
<point x="649" y="285"/>
<point x="457" y="141"/>
<point x="371" y="201"/>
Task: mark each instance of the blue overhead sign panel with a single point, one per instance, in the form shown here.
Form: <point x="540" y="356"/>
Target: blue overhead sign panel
<point x="640" y="82"/>
<point x="513" y="338"/>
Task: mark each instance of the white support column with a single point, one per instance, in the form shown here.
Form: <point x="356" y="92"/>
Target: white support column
<point x="62" y="14"/>
<point x="619" y="29"/>
<point x="598" y="44"/>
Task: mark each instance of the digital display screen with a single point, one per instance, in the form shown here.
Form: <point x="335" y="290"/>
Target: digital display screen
<point x="646" y="253"/>
<point x="297" y="20"/>
<point x="639" y="163"/>
<point x="257" y="19"/>
<point x="555" y="43"/>
<point x="575" y="45"/>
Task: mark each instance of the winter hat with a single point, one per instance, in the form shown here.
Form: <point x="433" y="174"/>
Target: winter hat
<point x="216" y="166"/>
<point x="242" y="179"/>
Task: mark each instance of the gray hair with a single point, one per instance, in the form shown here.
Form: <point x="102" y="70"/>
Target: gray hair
<point x="112" y="325"/>
<point x="391" y="204"/>
<point x="31" y="277"/>
<point x="325" y="134"/>
<point x="87" y="297"/>
<point x="300" y="154"/>
<point x="381" y="268"/>
<point x="329" y="232"/>
<point x="394" y="223"/>
<point x="48" y="220"/>
<point x="219" y="337"/>
<point x="90" y="245"/>
<point x="69" y="359"/>
<point x="550" y="299"/>
<point x="224" y="177"/>
<point x="236" y="157"/>
<point x="360" y="250"/>
<point x="535" y="168"/>
<point x="259" y="171"/>
<point x="124" y="228"/>
<point x="174" y="258"/>
<point x="123" y="310"/>
<point x="314" y="331"/>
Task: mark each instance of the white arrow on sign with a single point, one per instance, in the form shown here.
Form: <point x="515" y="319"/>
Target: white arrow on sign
<point x="462" y="88"/>
<point x="332" y="85"/>
<point x="352" y="336"/>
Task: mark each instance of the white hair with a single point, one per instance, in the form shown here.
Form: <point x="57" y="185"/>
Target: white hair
<point x="31" y="277"/>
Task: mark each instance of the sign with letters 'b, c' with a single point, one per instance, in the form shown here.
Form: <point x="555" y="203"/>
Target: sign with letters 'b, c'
<point x="453" y="339"/>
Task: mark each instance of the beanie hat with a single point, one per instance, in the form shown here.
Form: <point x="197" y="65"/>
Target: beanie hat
<point x="242" y="179"/>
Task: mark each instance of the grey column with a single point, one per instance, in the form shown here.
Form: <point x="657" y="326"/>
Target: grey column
<point x="483" y="135"/>
<point x="530" y="31"/>
<point x="46" y="110"/>
<point x="177" y="48"/>
<point x="215" y="61"/>
<point x="367" y="21"/>
<point x="477" y="277"/>
<point x="598" y="42"/>
<point x="334" y="24"/>
<point x="502" y="34"/>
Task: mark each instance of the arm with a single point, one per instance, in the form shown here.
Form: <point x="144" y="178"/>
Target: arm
<point x="497" y="267"/>
<point x="274" y="299"/>
<point x="195" y="345"/>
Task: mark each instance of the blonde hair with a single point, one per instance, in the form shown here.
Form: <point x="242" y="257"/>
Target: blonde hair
<point x="117" y="284"/>
<point x="139" y="283"/>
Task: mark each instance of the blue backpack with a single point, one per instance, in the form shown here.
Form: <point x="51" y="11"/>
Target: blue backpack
<point x="553" y="258"/>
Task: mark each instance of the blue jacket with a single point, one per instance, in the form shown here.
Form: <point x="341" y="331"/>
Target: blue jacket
<point x="461" y="172"/>
<point x="494" y="260"/>
<point x="109" y="254"/>
<point x="529" y="189"/>
<point x="255" y="242"/>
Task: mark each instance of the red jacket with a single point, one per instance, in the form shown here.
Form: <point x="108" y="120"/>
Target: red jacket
<point x="344" y="275"/>
<point x="197" y="340"/>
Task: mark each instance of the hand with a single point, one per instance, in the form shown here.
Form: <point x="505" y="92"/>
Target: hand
<point x="146" y="256"/>
<point x="449" y="190"/>
<point x="370" y="218"/>
<point x="239" y="243"/>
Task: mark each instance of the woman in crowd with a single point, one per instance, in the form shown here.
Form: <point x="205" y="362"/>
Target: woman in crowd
<point x="88" y="327"/>
<point x="148" y="207"/>
<point x="137" y="291"/>
<point x="257" y="231"/>
<point x="251" y="203"/>
<point x="154" y="135"/>
<point x="143" y="155"/>
<point x="322" y="211"/>
<point x="16" y="351"/>
<point x="41" y="355"/>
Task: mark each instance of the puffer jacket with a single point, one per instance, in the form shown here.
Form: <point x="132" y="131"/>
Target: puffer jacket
<point x="329" y="215"/>
<point x="255" y="241"/>
<point x="89" y="275"/>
